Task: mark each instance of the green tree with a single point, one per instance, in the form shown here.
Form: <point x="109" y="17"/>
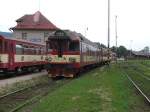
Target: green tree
<point x="113" y="49"/>
<point x="104" y="46"/>
<point x="146" y="49"/>
<point x="122" y="51"/>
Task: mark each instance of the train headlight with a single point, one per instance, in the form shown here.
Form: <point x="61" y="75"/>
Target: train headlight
<point x="71" y="59"/>
<point x="49" y="59"/>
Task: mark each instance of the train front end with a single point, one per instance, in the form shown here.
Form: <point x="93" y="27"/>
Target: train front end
<point x="63" y="54"/>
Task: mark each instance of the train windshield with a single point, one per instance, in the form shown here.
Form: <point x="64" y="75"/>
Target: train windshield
<point x="61" y="46"/>
<point x="74" y="46"/>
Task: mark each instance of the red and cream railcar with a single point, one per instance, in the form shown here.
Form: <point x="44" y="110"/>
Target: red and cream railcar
<point x="16" y="55"/>
<point x="68" y="52"/>
<point x="113" y="56"/>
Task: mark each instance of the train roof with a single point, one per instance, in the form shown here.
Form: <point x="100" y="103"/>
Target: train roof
<point x="23" y="41"/>
<point x="74" y="36"/>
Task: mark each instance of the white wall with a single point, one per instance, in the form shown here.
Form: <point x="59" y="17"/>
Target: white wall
<point x="32" y="35"/>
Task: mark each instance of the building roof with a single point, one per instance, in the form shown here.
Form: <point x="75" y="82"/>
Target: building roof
<point x="140" y="53"/>
<point x="34" y="21"/>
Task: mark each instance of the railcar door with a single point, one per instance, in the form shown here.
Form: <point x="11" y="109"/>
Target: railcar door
<point x="81" y="53"/>
<point x="11" y="55"/>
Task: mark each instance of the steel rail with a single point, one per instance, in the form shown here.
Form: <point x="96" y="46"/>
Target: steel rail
<point x="137" y="87"/>
<point x="3" y="96"/>
<point x="25" y="103"/>
<point x="37" y="97"/>
<point x="144" y="76"/>
<point x="147" y="78"/>
<point x="17" y="91"/>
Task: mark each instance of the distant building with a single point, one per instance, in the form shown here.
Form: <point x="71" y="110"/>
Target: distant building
<point x="6" y="34"/>
<point x="35" y="28"/>
<point x="138" y="55"/>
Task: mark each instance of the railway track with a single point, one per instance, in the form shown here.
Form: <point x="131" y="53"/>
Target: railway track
<point x="146" y="64"/>
<point x="139" y="80"/>
<point x="140" y="72"/>
<point x="138" y="88"/>
<point x="17" y="100"/>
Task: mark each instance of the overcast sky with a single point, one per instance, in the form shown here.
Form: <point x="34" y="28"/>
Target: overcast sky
<point x="133" y="18"/>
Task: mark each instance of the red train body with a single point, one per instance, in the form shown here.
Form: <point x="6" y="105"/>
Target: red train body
<point x="68" y="52"/>
<point x="16" y="55"/>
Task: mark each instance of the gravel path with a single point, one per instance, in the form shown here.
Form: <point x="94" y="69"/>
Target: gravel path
<point x="20" y="78"/>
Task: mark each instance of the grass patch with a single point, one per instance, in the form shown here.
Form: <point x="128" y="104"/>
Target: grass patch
<point x="104" y="89"/>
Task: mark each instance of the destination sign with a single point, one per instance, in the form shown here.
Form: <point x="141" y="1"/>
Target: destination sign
<point x="60" y="33"/>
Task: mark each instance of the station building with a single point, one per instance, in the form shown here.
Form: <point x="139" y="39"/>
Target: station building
<point x="34" y="28"/>
<point x="138" y="55"/>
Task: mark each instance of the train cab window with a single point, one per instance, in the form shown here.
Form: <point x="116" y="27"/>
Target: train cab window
<point x="74" y="46"/>
<point x="19" y="49"/>
<point x="53" y="45"/>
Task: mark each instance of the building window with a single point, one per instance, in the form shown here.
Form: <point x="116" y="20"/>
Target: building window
<point x="46" y="34"/>
<point x="24" y="36"/>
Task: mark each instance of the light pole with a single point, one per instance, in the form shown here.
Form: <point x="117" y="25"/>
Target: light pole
<point x="116" y="34"/>
<point x="116" y="29"/>
<point x="108" y="28"/>
<point x="86" y="29"/>
<point x="131" y="47"/>
<point x="39" y="5"/>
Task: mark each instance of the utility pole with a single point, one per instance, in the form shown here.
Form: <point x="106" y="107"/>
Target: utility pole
<point x="86" y="31"/>
<point x="131" y="47"/>
<point x="116" y="30"/>
<point x="116" y="35"/>
<point x="108" y="29"/>
<point x="39" y="5"/>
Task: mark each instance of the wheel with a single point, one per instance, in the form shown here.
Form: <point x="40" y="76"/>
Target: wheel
<point x="39" y="69"/>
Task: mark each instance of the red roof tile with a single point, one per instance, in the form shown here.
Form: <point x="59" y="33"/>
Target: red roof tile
<point x="34" y="22"/>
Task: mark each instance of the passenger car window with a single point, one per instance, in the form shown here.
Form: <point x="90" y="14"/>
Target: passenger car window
<point x="19" y="49"/>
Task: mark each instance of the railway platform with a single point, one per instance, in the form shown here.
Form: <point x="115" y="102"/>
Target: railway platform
<point x="13" y="80"/>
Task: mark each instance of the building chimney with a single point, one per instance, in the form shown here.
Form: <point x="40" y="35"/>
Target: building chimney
<point x="36" y="17"/>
